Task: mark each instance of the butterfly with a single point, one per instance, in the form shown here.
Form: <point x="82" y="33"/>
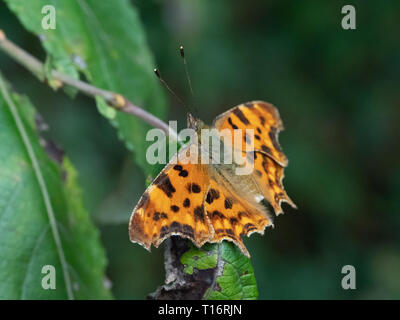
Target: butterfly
<point x="209" y="202"/>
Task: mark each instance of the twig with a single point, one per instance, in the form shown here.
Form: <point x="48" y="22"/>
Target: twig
<point x="115" y="100"/>
<point x="180" y="285"/>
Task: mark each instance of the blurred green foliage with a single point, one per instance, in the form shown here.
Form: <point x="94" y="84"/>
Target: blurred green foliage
<point x="90" y="40"/>
<point x="337" y="93"/>
<point x="43" y="221"/>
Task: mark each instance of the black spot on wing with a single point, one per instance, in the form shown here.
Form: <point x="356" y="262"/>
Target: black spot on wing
<point x="238" y="113"/>
<point x="265" y="166"/>
<point x="195" y="188"/>
<point x="162" y="182"/>
<point x="218" y="214"/>
<point x="271" y="183"/>
<point x="164" y="231"/>
<point x="157" y="216"/>
<point x="212" y="195"/>
<point x="176" y="227"/>
<point x="188" y="231"/>
<point x="199" y="213"/>
<point x="248" y="227"/>
<point x="225" y="233"/>
<point x="228" y="203"/>
<point x="186" y="203"/>
<point x="183" y="173"/>
<point x="272" y="136"/>
<point x="175" y="208"/>
<point x="232" y="124"/>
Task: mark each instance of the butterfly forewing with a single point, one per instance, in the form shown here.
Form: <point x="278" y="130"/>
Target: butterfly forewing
<point x="173" y="204"/>
<point x="264" y="119"/>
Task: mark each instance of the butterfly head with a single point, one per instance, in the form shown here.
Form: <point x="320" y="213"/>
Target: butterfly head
<point x="194" y="123"/>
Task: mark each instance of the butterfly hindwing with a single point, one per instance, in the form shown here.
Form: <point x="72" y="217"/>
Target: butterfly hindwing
<point x="264" y="119"/>
<point x="269" y="175"/>
<point x="233" y="216"/>
<point x="173" y="205"/>
<point x="268" y="157"/>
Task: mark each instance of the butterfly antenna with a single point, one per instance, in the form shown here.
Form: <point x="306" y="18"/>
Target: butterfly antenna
<point x="182" y="52"/>
<point x="157" y="73"/>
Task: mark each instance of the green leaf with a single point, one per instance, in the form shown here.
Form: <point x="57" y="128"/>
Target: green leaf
<point x="42" y="220"/>
<point x="105" y="41"/>
<point x="235" y="278"/>
<point x="204" y="258"/>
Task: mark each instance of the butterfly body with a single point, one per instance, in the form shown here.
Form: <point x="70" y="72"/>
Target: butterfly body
<point x="206" y="200"/>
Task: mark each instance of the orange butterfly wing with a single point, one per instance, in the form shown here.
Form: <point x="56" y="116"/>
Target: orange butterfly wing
<point x="189" y="199"/>
<point x="173" y="205"/>
<point x="269" y="159"/>
<point x="269" y="176"/>
<point x="232" y="217"/>
<point x="264" y="119"/>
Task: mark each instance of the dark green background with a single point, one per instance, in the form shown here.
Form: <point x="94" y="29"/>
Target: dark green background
<point x="338" y="95"/>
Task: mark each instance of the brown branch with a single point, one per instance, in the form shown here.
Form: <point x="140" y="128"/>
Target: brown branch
<point x="115" y="100"/>
<point x="178" y="284"/>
